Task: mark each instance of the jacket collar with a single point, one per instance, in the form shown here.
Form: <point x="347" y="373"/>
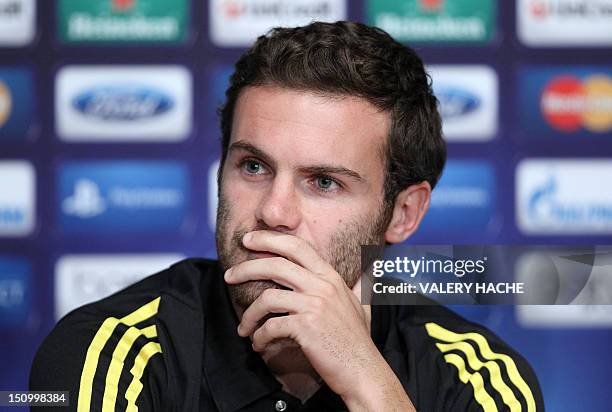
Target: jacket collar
<point x="235" y="373"/>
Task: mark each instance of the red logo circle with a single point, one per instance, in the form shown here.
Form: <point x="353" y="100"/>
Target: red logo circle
<point x="563" y="102"/>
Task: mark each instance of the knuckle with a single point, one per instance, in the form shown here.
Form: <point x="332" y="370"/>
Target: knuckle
<point x="275" y="325"/>
<point x="318" y="304"/>
<point x="328" y="289"/>
<point x="269" y="327"/>
<point x="280" y="323"/>
<point x="278" y="260"/>
<point x="296" y="271"/>
<point x="310" y="319"/>
<point x="267" y="296"/>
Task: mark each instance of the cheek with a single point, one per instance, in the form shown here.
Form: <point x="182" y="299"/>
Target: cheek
<point x="321" y="225"/>
<point x="235" y="190"/>
<point x="241" y="201"/>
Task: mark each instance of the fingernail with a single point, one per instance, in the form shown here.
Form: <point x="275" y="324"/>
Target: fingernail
<point x="238" y="329"/>
<point x="228" y="274"/>
<point x="247" y="237"/>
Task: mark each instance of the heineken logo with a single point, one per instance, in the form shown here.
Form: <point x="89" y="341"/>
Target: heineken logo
<point x="123" y="20"/>
<point x="434" y="20"/>
<point x="123" y="5"/>
<point x="431" y="5"/>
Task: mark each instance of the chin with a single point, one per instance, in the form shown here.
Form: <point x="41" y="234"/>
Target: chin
<point x="244" y="294"/>
<point x="282" y="345"/>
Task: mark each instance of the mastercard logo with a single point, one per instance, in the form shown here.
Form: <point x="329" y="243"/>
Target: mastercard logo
<point x="569" y="103"/>
<point x="5" y="103"/>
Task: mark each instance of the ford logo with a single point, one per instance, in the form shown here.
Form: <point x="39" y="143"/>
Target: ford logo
<point x="123" y="103"/>
<point x="456" y="102"/>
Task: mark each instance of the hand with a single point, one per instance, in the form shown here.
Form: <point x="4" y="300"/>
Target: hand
<point x="325" y="318"/>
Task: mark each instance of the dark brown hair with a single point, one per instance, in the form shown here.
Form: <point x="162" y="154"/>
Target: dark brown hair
<point x="352" y="59"/>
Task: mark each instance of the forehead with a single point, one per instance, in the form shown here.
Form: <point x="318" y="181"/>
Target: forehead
<point x="311" y="128"/>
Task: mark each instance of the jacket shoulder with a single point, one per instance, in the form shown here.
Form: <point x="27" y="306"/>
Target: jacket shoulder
<point x="478" y="369"/>
<point x="111" y="352"/>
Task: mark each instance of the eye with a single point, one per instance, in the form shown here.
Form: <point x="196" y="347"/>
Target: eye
<point x="252" y="167"/>
<point x="326" y="184"/>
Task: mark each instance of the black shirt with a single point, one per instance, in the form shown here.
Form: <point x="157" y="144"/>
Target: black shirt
<point x="169" y="343"/>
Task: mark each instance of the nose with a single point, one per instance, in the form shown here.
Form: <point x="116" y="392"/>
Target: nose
<point x="279" y="207"/>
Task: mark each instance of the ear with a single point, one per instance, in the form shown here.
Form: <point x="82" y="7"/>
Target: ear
<point x="408" y="211"/>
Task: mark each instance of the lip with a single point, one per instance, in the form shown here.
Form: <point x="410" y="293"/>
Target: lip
<point x="261" y="255"/>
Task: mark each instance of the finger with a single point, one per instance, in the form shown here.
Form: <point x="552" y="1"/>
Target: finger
<point x="272" y="329"/>
<point x="360" y="306"/>
<point x="292" y="247"/>
<point x="356" y="289"/>
<point x="277" y="269"/>
<point x="274" y="301"/>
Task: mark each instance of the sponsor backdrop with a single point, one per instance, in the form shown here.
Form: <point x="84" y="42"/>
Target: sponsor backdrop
<point x="109" y="150"/>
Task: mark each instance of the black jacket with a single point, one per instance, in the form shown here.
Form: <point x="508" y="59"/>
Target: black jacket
<point x="169" y="343"/>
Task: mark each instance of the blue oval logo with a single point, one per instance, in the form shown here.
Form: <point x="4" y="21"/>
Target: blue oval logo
<point x="122" y="103"/>
<point x="456" y="102"/>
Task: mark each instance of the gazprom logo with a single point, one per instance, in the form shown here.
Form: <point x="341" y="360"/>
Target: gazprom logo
<point x="544" y="205"/>
<point x="125" y="103"/>
<point x="564" y="196"/>
<point x="456" y="102"/>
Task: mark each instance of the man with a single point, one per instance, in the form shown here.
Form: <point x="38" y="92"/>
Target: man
<point x="330" y="139"/>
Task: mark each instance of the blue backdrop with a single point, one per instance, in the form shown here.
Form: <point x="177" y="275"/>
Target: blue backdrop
<point x="99" y="165"/>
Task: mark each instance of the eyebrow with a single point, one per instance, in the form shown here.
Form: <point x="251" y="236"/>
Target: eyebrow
<point x="322" y="169"/>
<point x="242" y="145"/>
<point x="327" y="170"/>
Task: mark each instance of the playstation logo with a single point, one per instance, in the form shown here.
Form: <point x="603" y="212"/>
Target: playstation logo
<point x="86" y="200"/>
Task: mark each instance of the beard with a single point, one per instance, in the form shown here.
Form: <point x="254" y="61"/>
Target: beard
<point x="343" y="252"/>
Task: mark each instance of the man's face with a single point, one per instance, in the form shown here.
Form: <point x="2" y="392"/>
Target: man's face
<point x="305" y="165"/>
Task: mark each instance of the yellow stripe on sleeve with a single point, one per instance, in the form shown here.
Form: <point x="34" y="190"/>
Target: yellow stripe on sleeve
<point x="438" y="332"/>
<point x="97" y="344"/>
<point x="137" y="371"/>
<point x="116" y="365"/>
<point x="494" y="372"/>
<point x="480" y="393"/>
